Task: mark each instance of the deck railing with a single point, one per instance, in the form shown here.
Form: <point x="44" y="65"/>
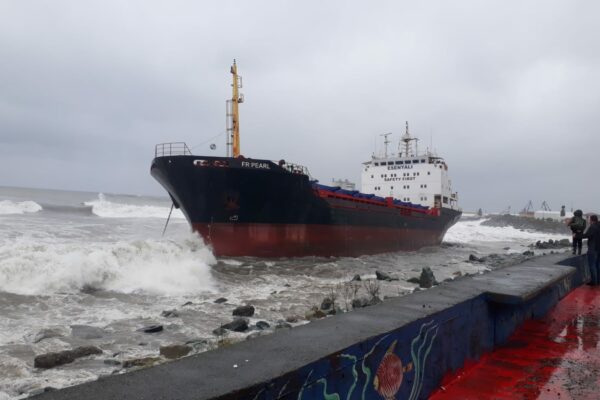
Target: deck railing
<point x="172" y="149"/>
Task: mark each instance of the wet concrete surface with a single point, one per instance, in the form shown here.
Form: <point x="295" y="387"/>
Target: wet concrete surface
<point x="555" y="357"/>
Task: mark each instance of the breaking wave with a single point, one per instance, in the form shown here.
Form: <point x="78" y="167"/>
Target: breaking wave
<point x="22" y="207"/>
<point x="473" y="231"/>
<point x="162" y="267"/>
<point x="108" y="209"/>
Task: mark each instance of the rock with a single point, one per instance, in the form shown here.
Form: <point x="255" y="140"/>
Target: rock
<point x="262" y="325"/>
<point x="220" y="300"/>
<point x="89" y="289"/>
<point x="287" y="285"/>
<point x="457" y="273"/>
<point x="282" y="325"/>
<point x="413" y="280"/>
<point x="169" y="314"/>
<point x="187" y="303"/>
<point x="551" y="244"/>
<point x="151" y="329"/>
<point x="112" y="362"/>
<point x="528" y="253"/>
<point x="50" y="360"/>
<point x="141" y="362"/>
<point x="87" y="332"/>
<point x="47" y="334"/>
<point x="360" y="302"/>
<point x="291" y="318"/>
<point x="219" y="331"/>
<point x="356" y="278"/>
<point x="237" y="325"/>
<point x="382" y="276"/>
<point x="314" y="314"/>
<point x="474" y="258"/>
<point x="326" y="304"/>
<point x="175" y="351"/>
<point x="374" y="300"/>
<point x="427" y="278"/>
<point x="244" y="311"/>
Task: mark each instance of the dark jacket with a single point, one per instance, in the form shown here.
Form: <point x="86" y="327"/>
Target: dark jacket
<point x="593" y="236"/>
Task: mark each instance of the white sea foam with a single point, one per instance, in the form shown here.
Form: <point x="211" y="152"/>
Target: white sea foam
<point x="104" y="208"/>
<point x="473" y="231"/>
<point x="22" y="207"/>
<point x="154" y="266"/>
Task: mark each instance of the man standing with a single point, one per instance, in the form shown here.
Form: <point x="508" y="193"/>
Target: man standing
<point x="593" y="253"/>
<point x="577" y="226"/>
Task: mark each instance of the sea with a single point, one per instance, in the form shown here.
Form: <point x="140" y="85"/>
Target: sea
<point x="82" y="268"/>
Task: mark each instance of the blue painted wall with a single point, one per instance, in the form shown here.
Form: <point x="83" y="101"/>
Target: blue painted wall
<point x="410" y="362"/>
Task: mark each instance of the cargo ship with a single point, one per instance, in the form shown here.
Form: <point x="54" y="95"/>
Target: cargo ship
<point x="244" y="206"/>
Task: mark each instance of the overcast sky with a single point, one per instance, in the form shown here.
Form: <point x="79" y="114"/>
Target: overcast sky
<point x="508" y="92"/>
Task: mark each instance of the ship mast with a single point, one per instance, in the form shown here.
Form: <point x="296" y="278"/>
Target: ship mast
<point x="233" y="115"/>
<point x="407" y="138"/>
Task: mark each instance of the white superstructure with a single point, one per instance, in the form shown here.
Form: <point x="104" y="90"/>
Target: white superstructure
<point x="409" y="176"/>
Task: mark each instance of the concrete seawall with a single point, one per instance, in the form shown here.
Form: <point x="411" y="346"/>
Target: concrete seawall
<point x="401" y="348"/>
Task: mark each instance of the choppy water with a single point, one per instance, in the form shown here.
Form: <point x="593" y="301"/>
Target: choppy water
<point x="82" y="268"/>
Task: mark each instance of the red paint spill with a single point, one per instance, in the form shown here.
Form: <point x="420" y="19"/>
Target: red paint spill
<point x="556" y="357"/>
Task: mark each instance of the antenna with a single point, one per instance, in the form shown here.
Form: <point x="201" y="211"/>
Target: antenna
<point x="386" y="141"/>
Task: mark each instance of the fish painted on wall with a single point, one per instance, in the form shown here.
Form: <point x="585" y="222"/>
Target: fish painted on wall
<point x="390" y="372"/>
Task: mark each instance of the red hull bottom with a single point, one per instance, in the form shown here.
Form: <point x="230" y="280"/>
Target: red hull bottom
<point x="294" y="240"/>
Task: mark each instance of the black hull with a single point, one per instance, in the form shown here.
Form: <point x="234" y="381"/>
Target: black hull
<point x="257" y="208"/>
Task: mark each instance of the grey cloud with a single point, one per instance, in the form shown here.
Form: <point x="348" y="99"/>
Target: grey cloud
<point x="508" y="93"/>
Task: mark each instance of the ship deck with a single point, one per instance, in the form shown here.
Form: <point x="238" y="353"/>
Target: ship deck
<point x="556" y="357"/>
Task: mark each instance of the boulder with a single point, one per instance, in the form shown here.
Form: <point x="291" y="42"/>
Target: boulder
<point x="112" y="362"/>
<point x="282" y="324"/>
<point x="187" y="303"/>
<point x="50" y="360"/>
<point x="291" y="319"/>
<point x="175" y="351"/>
<point x="244" y="311"/>
<point x="427" y="278"/>
<point x="360" y="302"/>
<point x="356" y="278"/>
<point x="262" y="325"/>
<point x="374" y="300"/>
<point x="169" y="314"/>
<point x="141" y="362"/>
<point x="528" y="253"/>
<point x="327" y="304"/>
<point x="315" y="313"/>
<point x="413" y="280"/>
<point x="220" y="300"/>
<point x="474" y="258"/>
<point x="382" y="276"/>
<point x="237" y="325"/>
<point x="151" y="329"/>
<point x="220" y="331"/>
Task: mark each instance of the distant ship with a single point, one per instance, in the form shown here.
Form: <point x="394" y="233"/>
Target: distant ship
<point x="252" y="207"/>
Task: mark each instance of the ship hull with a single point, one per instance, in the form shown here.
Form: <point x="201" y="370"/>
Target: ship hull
<point x="245" y="207"/>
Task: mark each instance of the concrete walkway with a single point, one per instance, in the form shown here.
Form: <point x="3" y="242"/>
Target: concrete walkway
<point x="556" y="357"/>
